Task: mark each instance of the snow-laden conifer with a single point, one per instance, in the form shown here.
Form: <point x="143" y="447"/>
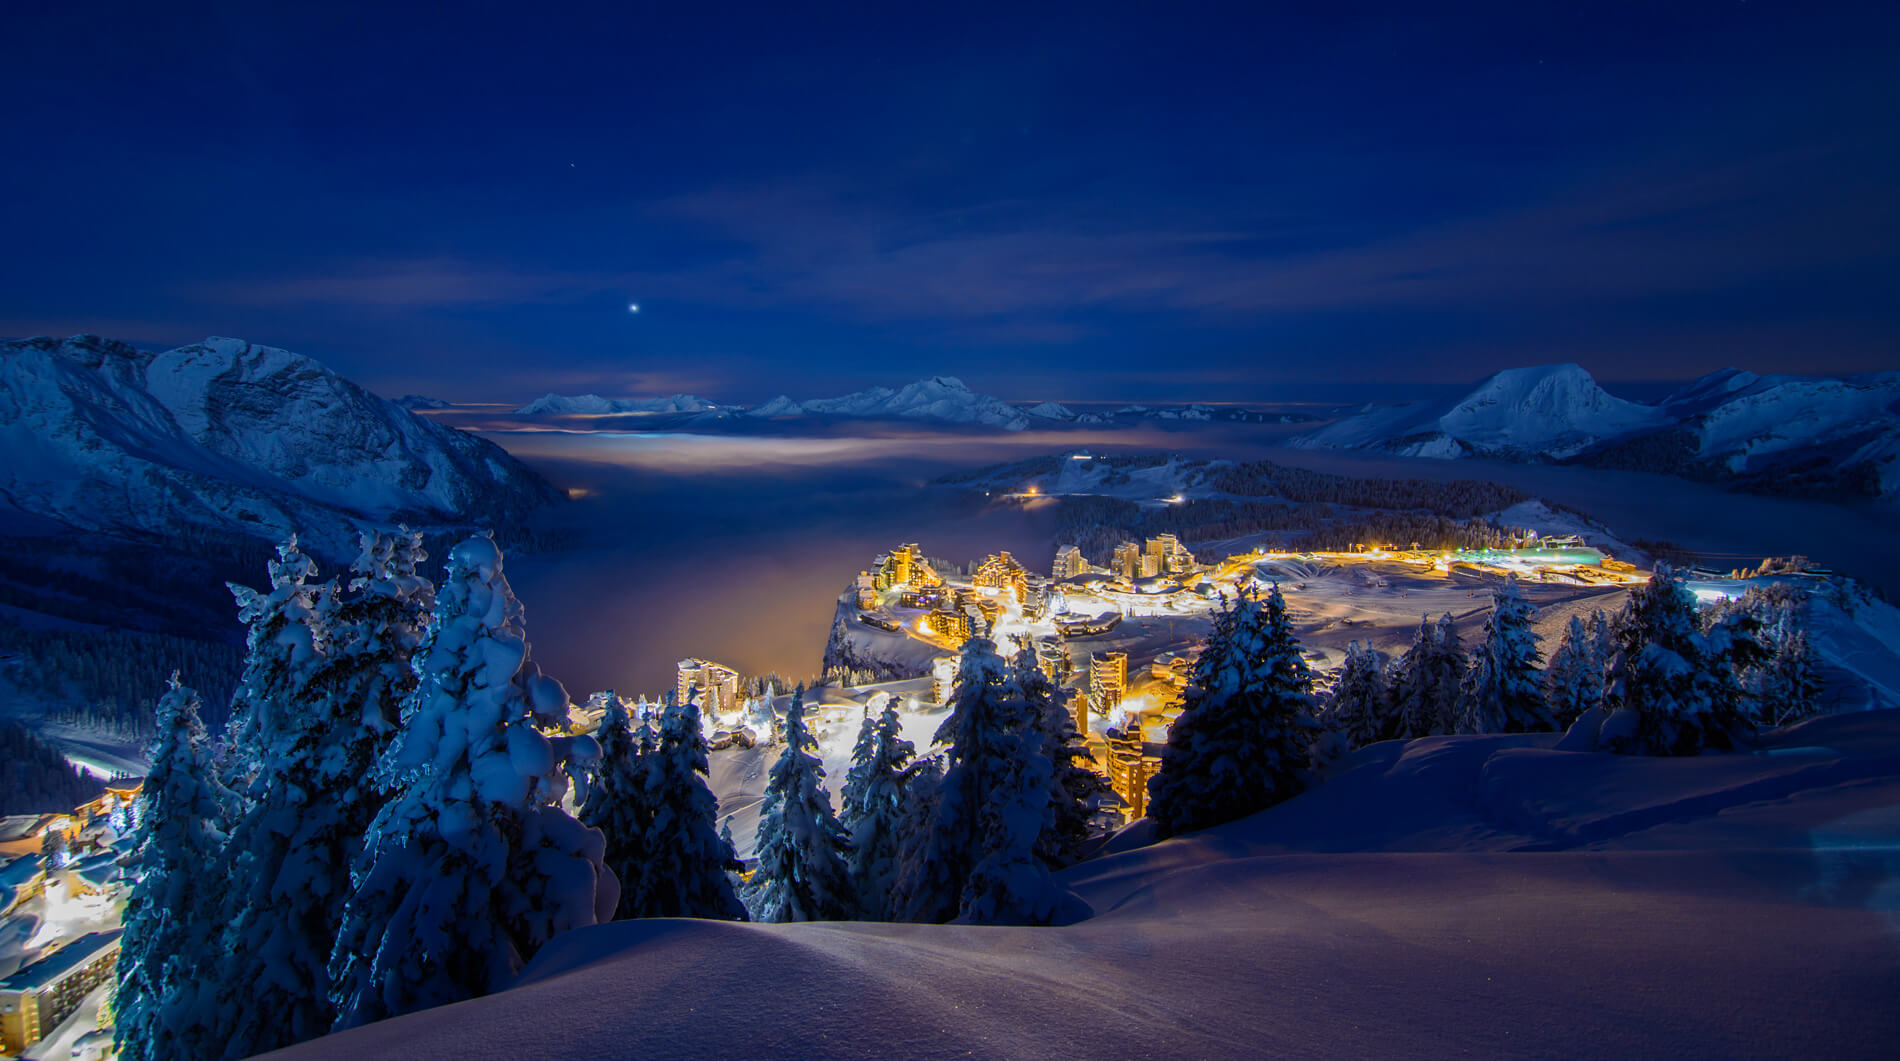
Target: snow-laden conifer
<point x="930" y="881"/>
<point x="1010" y="882"/>
<point x="473" y="865"/>
<point x="616" y="801"/>
<point x="379" y="624"/>
<point x="1661" y="689"/>
<point x="1075" y="788"/>
<point x="873" y="806"/>
<point x="1573" y="680"/>
<point x="687" y="864"/>
<point x="284" y="644"/>
<point x="173" y="911"/>
<point x="1360" y="706"/>
<point x="923" y="785"/>
<point x="1241" y="742"/>
<point x="1737" y="644"/>
<point x="313" y="799"/>
<point x="1414" y="698"/>
<point x="1451" y="668"/>
<point x="802" y="873"/>
<point x="1787" y="687"/>
<point x="1504" y="693"/>
<point x="993" y="795"/>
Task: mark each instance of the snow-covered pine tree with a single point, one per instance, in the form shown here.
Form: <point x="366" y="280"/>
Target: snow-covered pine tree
<point x="1659" y="686"/>
<point x="1573" y="680"/>
<point x="1241" y="742"/>
<point x="937" y="863"/>
<point x="312" y="801"/>
<point x="990" y="733"/>
<point x="379" y="624"/>
<point x="1413" y="711"/>
<point x="687" y="863"/>
<point x="1075" y="789"/>
<point x="1450" y="666"/>
<point x="1737" y="644"/>
<point x="1503" y="693"/>
<point x="1787" y="687"/>
<point x="473" y="865"/>
<point x="873" y="806"/>
<point x="802" y="874"/>
<point x="1009" y="882"/>
<point x="53" y="849"/>
<point x="284" y="643"/>
<point x="174" y="909"/>
<point x="922" y="784"/>
<point x="1360" y="702"/>
<point x="616" y="802"/>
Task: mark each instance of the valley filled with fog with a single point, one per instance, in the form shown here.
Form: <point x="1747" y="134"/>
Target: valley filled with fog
<point x="735" y="547"/>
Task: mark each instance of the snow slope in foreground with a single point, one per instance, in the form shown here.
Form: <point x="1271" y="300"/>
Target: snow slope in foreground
<point x="1469" y="894"/>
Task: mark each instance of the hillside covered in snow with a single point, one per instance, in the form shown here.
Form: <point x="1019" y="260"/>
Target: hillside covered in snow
<point x="232" y="438"/>
<point x="1482" y="894"/>
<point x="1831" y="437"/>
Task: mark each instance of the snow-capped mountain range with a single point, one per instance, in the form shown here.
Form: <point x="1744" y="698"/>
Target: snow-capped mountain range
<point x="595" y="405"/>
<point x="1775" y="433"/>
<point x="232" y="437"/>
<point x="940" y="399"/>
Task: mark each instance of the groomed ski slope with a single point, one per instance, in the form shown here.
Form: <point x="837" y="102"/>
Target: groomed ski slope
<point x="1480" y="895"/>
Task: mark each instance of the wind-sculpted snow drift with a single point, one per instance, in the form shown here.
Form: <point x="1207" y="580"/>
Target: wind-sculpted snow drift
<point x="1451" y="894"/>
<point x="235" y="438"/>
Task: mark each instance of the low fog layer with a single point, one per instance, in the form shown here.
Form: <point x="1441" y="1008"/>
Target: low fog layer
<point x="734" y="547"/>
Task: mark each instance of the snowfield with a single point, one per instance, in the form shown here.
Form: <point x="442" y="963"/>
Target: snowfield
<point x="1452" y="894"/>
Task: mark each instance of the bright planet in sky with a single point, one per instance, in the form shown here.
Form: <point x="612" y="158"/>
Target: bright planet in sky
<point x="633" y="307"/>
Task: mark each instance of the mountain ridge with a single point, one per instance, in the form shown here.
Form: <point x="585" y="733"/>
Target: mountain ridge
<point x="234" y="437"/>
<point x="1768" y="433"/>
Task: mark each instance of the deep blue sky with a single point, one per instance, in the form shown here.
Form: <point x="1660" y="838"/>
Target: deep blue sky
<point x="1106" y="201"/>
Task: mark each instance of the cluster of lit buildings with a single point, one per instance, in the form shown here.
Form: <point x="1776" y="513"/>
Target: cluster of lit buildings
<point x="1159" y="577"/>
<point x="1161" y="555"/>
<point x="715" y="686"/>
<point x="1000" y="587"/>
<point x="78" y="853"/>
<point x="34" y="1000"/>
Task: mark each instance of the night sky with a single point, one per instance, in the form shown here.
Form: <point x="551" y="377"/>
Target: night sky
<point x="1105" y="202"/>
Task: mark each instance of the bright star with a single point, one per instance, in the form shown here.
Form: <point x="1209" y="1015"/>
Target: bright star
<point x="633" y="307"/>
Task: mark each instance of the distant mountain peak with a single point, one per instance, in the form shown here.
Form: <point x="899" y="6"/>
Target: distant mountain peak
<point x="1828" y="437"/>
<point x="941" y="398"/>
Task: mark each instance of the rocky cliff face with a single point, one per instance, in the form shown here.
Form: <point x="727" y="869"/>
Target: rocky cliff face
<point x="234" y="438"/>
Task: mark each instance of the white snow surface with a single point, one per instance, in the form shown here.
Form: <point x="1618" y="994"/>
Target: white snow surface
<point x="232" y="436"/>
<point x="1051" y="411"/>
<point x="1483" y="895"/>
<point x="595" y="405"/>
